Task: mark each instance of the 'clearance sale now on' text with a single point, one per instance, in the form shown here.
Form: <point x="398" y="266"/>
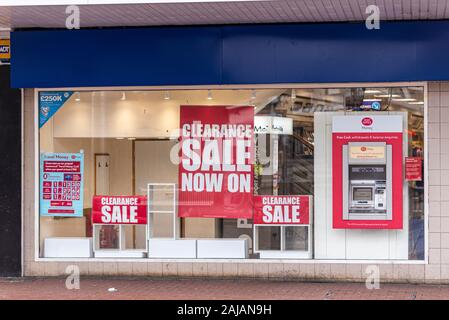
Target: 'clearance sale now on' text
<point x="216" y="170"/>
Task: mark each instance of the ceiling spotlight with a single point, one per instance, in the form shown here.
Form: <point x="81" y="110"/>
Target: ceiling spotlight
<point x="209" y="95"/>
<point x="78" y="97"/>
<point x="131" y="138"/>
<point x="404" y="99"/>
<point x="123" y="98"/>
<point x="372" y="91"/>
<point x="387" y="95"/>
<point x="372" y="100"/>
<point x="167" y="95"/>
<point x="416" y="102"/>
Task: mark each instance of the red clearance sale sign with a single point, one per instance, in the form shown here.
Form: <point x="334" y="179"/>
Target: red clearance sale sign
<point x="119" y="210"/>
<point x="282" y="209"/>
<point x="216" y="167"/>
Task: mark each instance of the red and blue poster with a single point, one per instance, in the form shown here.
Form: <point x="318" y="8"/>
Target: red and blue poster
<point x="216" y="165"/>
<point x="61" y="184"/>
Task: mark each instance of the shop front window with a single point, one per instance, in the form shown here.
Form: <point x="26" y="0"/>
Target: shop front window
<point x="324" y="173"/>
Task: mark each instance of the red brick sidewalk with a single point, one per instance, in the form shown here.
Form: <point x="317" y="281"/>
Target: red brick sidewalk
<point x="54" y="288"/>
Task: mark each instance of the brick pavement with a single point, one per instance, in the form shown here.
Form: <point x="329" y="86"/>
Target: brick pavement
<point x="143" y="288"/>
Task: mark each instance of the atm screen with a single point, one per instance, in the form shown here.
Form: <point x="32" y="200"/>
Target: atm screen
<point x="363" y="172"/>
<point x="368" y="169"/>
<point x="362" y="194"/>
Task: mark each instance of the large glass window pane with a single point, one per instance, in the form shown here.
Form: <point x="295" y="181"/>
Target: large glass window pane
<point x="108" y="237"/>
<point x="269" y="238"/>
<point x="134" y="237"/>
<point x="296" y="238"/>
<point x="128" y="140"/>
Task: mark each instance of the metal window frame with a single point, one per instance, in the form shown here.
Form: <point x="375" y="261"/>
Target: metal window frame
<point x="423" y="84"/>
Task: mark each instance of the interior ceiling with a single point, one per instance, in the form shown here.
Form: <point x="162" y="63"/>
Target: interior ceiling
<point x="222" y="12"/>
<point x="259" y="98"/>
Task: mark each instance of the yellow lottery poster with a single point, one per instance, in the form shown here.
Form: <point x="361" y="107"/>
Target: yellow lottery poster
<point x="5" y="50"/>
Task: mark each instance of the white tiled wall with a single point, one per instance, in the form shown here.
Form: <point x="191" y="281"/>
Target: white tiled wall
<point x="436" y="271"/>
<point x="438" y="152"/>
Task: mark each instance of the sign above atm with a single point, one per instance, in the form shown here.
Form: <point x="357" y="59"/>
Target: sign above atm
<point x="366" y="152"/>
<point x="364" y="123"/>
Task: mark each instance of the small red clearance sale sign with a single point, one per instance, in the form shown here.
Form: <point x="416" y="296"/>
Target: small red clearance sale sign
<point x="119" y="210"/>
<point x="282" y="209"/>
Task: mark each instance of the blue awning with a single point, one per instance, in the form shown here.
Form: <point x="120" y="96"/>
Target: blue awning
<point x="217" y="55"/>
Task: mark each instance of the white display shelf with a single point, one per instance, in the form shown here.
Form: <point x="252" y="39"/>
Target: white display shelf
<point x="68" y="248"/>
<point x="222" y="248"/>
<point x="169" y="248"/>
<point x="115" y="253"/>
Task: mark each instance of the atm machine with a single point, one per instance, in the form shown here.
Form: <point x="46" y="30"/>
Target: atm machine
<point x="361" y="196"/>
<point x="367" y="181"/>
<point x="367" y="166"/>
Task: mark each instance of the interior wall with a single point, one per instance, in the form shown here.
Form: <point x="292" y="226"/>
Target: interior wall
<point x="46" y="137"/>
<point x="153" y="165"/>
<point x="135" y="237"/>
<point x="99" y="116"/>
<point x="202" y="228"/>
<point x="120" y="173"/>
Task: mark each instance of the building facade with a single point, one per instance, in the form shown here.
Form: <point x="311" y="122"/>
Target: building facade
<point x="284" y="151"/>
